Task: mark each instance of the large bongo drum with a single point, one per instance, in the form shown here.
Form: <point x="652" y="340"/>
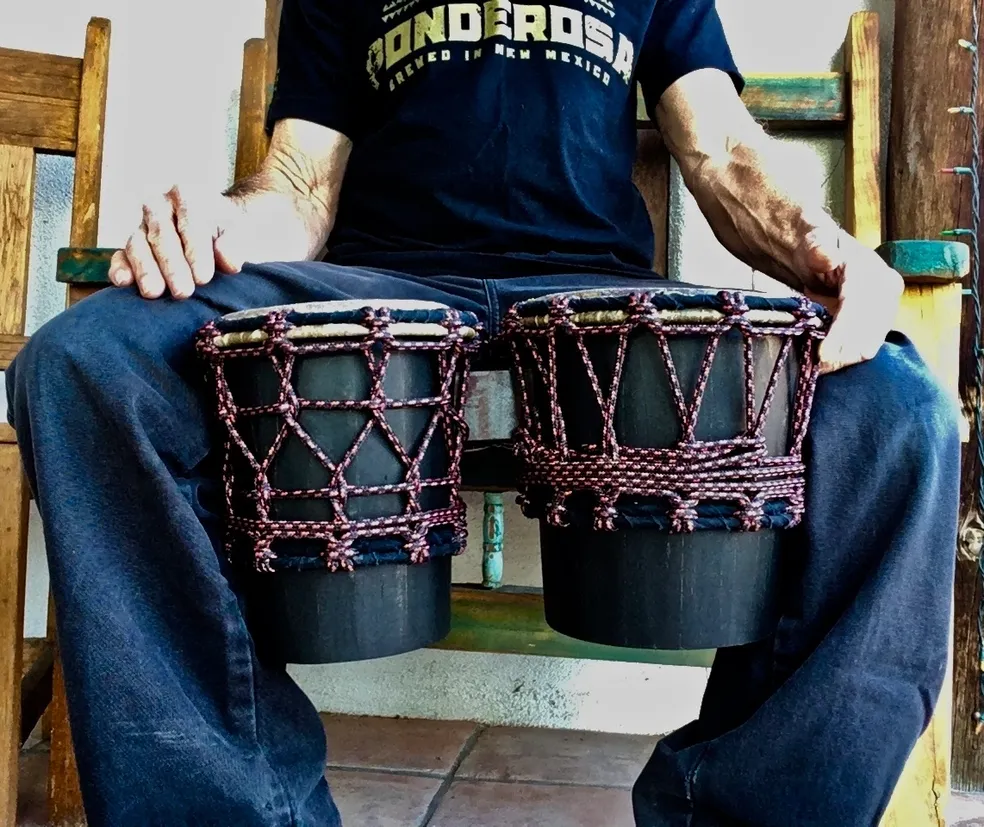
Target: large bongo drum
<point x="343" y="429"/>
<point x="660" y="446"/>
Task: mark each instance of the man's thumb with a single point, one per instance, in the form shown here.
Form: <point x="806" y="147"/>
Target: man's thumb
<point x="229" y="257"/>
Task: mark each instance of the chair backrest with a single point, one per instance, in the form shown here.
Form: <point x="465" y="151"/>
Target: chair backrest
<point x="48" y="104"/>
<point x="845" y="101"/>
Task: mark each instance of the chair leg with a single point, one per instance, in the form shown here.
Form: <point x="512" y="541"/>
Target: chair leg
<point x="13" y="567"/>
<point x="64" y="796"/>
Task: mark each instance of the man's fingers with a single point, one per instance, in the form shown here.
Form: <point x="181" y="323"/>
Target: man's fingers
<point x="163" y="239"/>
<point x="146" y="273"/>
<point x="196" y="238"/>
<point x="863" y="318"/>
<point x="120" y="274"/>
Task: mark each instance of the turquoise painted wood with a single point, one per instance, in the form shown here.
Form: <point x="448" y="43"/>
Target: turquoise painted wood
<point x="789" y="100"/>
<point x="82" y="265"/>
<point x="493" y="539"/>
<point x="927" y="262"/>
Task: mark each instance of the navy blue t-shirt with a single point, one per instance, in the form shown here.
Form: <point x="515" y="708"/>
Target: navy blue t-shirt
<point x="490" y="130"/>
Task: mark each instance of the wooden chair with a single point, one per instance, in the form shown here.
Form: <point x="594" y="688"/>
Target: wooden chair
<point x="48" y="104"/>
<point x="487" y="618"/>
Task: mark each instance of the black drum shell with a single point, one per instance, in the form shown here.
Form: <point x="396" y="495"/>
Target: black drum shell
<point x="647" y="588"/>
<point x="315" y="615"/>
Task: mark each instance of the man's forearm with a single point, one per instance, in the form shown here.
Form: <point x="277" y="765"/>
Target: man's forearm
<point x="289" y="204"/>
<point x="748" y="186"/>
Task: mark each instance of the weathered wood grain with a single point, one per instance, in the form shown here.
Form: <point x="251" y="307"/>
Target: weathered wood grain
<point x="13" y="566"/>
<point x="87" y="188"/>
<point x="862" y="190"/>
<point x="10" y="346"/>
<point x="251" y="142"/>
<point x="46" y="124"/>
<point x="16" y="209"/>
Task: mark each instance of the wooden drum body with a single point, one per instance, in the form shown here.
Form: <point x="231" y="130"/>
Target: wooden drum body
<point x="343" y="430"/>
<point x="660" y="445"/>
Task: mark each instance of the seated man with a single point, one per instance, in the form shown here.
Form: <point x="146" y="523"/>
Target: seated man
<point x="486" y="154"/>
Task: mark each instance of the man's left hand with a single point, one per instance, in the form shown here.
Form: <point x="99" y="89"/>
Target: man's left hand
<point x="857" y="287"/>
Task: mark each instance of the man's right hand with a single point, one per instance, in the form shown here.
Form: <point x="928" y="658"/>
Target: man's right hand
<point x="182" y="241"/>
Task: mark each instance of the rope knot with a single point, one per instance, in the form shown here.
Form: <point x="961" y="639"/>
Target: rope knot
<point x="378" y="320"/>
<point x="733" y="303"/>
<point x="511" y="323"/>
<point x="557" y="511"/>
<point x="417" y="546"/>
<point x="683" y="518"/>
<point x="339" y="553"/>
<point x="263" y="556"/>
<point x="276" y="327"/>
<point x="561" y="313"/>
<point x="605" y="513"/>
<point x="642" y="311"/>
<point x="752" y="514"/>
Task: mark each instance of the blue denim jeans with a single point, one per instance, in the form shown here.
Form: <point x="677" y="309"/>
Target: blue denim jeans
<point x="176" y="722"/>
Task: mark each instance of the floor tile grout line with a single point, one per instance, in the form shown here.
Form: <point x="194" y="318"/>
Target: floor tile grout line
<point x="532" y="782"/>
<point x="463" y="753"/>
<point x="385" y="771"/>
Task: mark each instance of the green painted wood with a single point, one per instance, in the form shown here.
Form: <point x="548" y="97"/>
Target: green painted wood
<point x="511" y="622"/>
<point x="84" y="265"/>
<point x="493" y="534"/>
<point x="927" y="262"/>
<point x="811" y="100"/>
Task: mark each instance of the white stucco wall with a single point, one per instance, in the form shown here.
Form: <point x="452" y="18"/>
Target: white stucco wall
<point x="173" y="97"/>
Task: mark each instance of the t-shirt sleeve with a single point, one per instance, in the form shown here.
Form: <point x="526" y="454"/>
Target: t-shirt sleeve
<point x="319" y="76"/>
<point x="683" y="36"/>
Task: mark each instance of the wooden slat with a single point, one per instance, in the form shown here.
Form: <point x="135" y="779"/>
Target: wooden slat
<point x="91" y="127"/>
<point x="16" y="207"/>
<point x="490" y="410"/>
<point x="790" y="100"/>
<point x="10" y="346"/>
<point x="38" y="666"/>
<point x="511" y="622"/>
<point x="83" y="265"/>
<point x="252" y="143"/>
<point x="7" y="435"/>
<point x="651" y="174"/>
<point x="271" y="33"/>
<point x="862" y="190"/>
<point x="13" y="565"/>
<point x="38" y="122"/>
<point x="64" y="796"/>
<point x="34" y="73"/>
<point x="928" y="262"/>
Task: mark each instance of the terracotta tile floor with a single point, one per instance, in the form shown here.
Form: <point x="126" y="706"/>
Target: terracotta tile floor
<point x="405" y="773"/>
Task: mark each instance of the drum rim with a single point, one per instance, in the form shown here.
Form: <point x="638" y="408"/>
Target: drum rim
<point x="596" y="316"/>
<point x="333" y="306"/>
<point x="348" y="325"/>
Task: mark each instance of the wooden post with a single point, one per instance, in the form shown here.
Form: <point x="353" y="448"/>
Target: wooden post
<point x="930" y="74"/>
<point x="64" y="796"/>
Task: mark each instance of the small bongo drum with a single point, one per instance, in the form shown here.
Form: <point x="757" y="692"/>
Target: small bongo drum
<point x="343" y="431"/>
<point x="660" y="445"/>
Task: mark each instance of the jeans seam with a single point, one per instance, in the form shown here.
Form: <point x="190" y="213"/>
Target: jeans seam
<point x="492" y="298"/>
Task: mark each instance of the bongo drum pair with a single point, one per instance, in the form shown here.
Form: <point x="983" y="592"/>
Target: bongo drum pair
<point x="660" y="447"/>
